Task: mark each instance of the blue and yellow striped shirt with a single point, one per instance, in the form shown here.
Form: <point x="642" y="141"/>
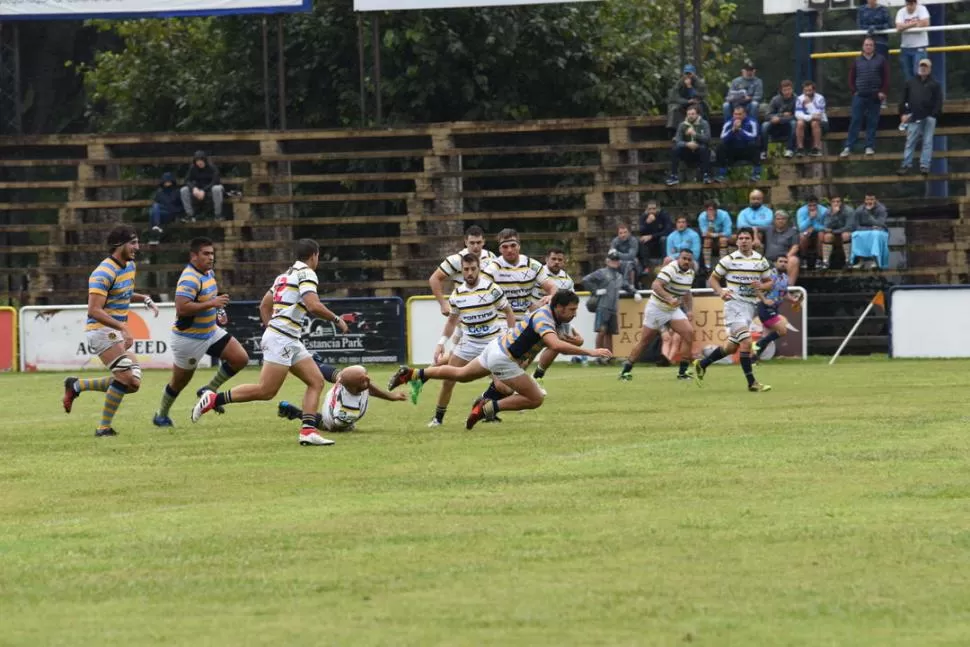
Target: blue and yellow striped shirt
<point x="524" y="340"/>
<point x="196" y="286"/>
<point x="116" y="283"/>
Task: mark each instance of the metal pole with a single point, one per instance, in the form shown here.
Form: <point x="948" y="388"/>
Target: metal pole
<point x="266" y="102"/>
<point x="939" y="165"/>
<point x="360" y="69"/>
<point x="376" y="41"/>
<point x="18" y="107"/>
<point x="281" y="72"/>
<point x="682" y="37"/>
<point x="851" y="332"/>
<point x="697" y="35"/>
<point x="862" y="32"/>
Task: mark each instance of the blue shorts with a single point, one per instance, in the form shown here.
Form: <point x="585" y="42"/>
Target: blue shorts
<point x="608" y="319"/>
<point x="767" y="314"/>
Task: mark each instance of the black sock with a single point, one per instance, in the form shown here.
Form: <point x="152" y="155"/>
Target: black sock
<point x="627" y="366"/>
<point x="746" y="367"/>
<point x="309" y="421"/>
<point x="767" y="339"/>
<point x="439" y="413"/>
<point x="539" y="373"/>
<point x="172" y="393"/>
<point x="329" y="372"/>
<point x="492" y="393"/>
<point x="421" y="376"/>
<point x="713" y="357"/>
<point x="683" y="366"/>
<point x="223" y="398"/>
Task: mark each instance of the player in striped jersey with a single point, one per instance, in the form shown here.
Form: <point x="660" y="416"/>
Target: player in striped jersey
<point x="556" y="269"/>
<point x="449" y="271"/>
<point x="198" y="331"/>
<point x="284" y="307"/>
<point x="111" y="289"/>
<point x="505" y="358"/>
<point x="746" y="272"/>
<point x="670" y="304"/>
<point x="524" y="280"/>
<point x="475" y="306"/>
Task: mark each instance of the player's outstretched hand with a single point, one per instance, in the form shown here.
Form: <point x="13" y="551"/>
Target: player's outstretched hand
<point x="342" y="325"/>
<point x="445" y="310"/>
<point x="601" y="352"/>
<point x="399" y="396"/>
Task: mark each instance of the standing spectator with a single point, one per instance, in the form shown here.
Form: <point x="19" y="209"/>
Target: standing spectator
<point x="655" y="224"/>
<point x="869" y="83"/>
<point x="739" y="143"/>
<point x="757" y="216"/>
<point x="606" y="284"/>
<point x="715" y="225"/>
<point x="839" y="225"/>
<point x="691" y="145"/>
<point x="745" y="91"/>
<point x="811" y="221"/>
<point x="873" y="17"/>
<point x="165" y="209"/>
<point x="912" y="43"/>
<point x="870" y="240"/>
<point x="921" y="106"/>
<point x="201" y="182"/>
<point x="627" y="247"/>
<point x="781" y="239"/>
<point x="810" y="115"/>
<point x="780" y="121"/>
<point x="682" y="237"/>
<point x="690" y="90"/>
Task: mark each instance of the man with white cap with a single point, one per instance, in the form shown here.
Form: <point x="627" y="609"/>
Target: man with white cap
<point x="921" y="105"/>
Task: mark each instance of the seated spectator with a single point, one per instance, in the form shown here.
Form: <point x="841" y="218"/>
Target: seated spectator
<point x="839" y="225"/>
<point x="779" y="124"/>
<point x="201" y="183"/>
<point x="869" y="84"/>
<point x="627" y="248"/>
<point x="811" y="221"/>
<point x="691" y="145"/>
<point x="745" y="91"/>
<point x="715" y="225"/>
<point x="166" y="208"/>
<point x="873" y="17"/>
<point x="810" y="115"/>
<point x="739" y="143"/>
<point x="682" y="237"/>
<point x="690" y="90"/>
<point x="870" y="239"/>
<point x="654" y="226"/>
<point x="921" y="106"/>
<point x="781" y="239"/>
<point x="757" y="216"/>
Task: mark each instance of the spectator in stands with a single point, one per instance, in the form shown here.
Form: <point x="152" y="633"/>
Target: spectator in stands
<point x="811" y="221"/>
<point x="606" y="284"/>
<point x="839" y="225"/>
<point x="874" y="17"/>
<point x="715" y="225"/>
<point x="870" y="239"/>
<point x="921" y="106"/>
<point x="869" y="83"/>
<point x="810" y="115"/>
<point x="757" y="216"/>
<point x="655" y="224"/>
<point x="745" y="91"/>
<point x="682" y="237"/>
<point x="780" y="121"/>
<point x="739" y="143"/>
<point x="165" y="209"/>
<point x="202" y="182"/>
<point x="690" y="90"/>
<point x="912" y="44"/>
<point x="781" y="239"/>
<point x="691" y="145"/>
<point x="627" y="247"/>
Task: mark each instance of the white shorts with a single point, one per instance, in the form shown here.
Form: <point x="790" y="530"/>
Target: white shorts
<point x="739" y="314"/>
<point x="282" y="350"/>
<point x="101" y="339"/>
<point x="469" y="348"/>
<point x="655" y="317"/>
<point x="498" y="363"/>
<point x="187" y="351"/>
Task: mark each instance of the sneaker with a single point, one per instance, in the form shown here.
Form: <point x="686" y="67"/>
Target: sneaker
<point x="870" y="150"/>
<point x="720" y="179"/>
<point x="825" y="265"/>
<point x="70" y="393"/>
<point x="102" y="432"/>
<point x="764" y="156"/>
<point x="819" y="265"/>
<point x="756" y="177"/>
<point x="902" y="170"/>
<point x="220" y="409"/>
<point x="804" y="264"/>
<point x="685" y="376"/>
<point x="845" y="153"/>
<point x="625" y="376"/>
<point x="476" y="414"/>
<point x="157" y="230"/>
<point x="699" y="371"/>
<point x="434" y="423"/>
<point x="924" y="171"/>
<point x="313" y="438"/>
<point x="673" y="180"/>
<point x="288" y="411"/>
<point x="800" y="152"/>
<point x="815" y="152"/>
<point x="205" y="404"/>
<point x="757" y="387"/>
<point x="162" y="421"/>
<point x="859" y="265"/>
<point x="789" y="153"/>
<point x="707" y="179"/>
<point x="400" y="378"/>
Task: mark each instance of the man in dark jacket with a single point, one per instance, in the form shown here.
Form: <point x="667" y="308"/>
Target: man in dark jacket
<point x="606" y="284"/>
<point x="691" y="145"/>
<point x="780" y="122"/>
<point x="166" y="208"/>
<point x="921" y="106"/>
<point x="202" y="182"/>
<point x="654" y="226"/>
<point x="873" y="17"/>
<point x="690" y="90"/>
<point x="869" y="83"/>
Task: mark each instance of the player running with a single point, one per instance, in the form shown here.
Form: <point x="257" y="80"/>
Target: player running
<point x="770" y="302"/>
<point x="111" y="289"/>
<point x="475" y="306"/>
<point x="449" y="271"/>
<point x="197" y="331"/>
<point x="282" y="310"/>
<point x="505" y="359"/>
<point x="556" y="269"/>
<point x="746" y="272"/>
<point x="670" y="304"/>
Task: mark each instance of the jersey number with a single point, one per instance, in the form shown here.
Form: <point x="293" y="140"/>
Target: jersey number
<point x="278" y="290"/>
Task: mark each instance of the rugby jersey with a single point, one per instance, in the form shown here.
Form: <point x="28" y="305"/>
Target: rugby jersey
<point x="524" y="340"/>
<point x="342" y="409"/>
<point x="740" y="271"/>
<point x="116" y="283"/>
<point x="779" y="288"/>
<point x="288" y="290"/>
<point x="196" y="286"/>
<point x="562" y="280"/>
<point x="518" y="280"/>
<point x="479" y="308"/>
<point x="676" y="282"/>
<point x="452" y="265"/>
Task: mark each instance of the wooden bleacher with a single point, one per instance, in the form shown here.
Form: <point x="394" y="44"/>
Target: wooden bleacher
<point x="386" y="205"/>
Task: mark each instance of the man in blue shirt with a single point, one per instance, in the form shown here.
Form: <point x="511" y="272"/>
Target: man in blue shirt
<point x="715" y="225"/>
<point x="682" y="237"/>
<point x="811" y="222"/>
<point x="873" y="17"/>
<point x="739" y="143"/>
<point x="757" y="216"/>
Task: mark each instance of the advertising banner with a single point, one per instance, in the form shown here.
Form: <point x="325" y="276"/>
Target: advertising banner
<point x="396" y="5"/>
<point x="8" y="339"/>
<point x="376" y="332"/>
<point x="82" y="9"/>
<point x="909" y="307"/>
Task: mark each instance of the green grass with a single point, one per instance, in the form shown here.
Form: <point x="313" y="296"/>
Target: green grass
<point x="830" y="511"/>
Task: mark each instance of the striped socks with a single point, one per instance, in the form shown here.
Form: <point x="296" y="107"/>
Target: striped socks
<point x="225" y="372"/>
<point x="112" y="400"/>
<point x="168" y="397"/>
<point x="100" y="384"/>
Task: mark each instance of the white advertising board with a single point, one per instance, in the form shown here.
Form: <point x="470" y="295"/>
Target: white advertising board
<point x="397" y="5"/>
<point x="910" y="334"/>
<point x="52" y="338"/>
<point x="80" y="9"/>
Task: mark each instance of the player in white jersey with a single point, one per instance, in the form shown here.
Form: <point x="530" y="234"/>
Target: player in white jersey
<point x="477" y="306"/>
<point x="524" y="280"/>
<point x="282" y="310"/>
<point x="346" y="402"/>
<point x="746" y="274"/>
<point x="449" y="271"/>
<point x="670" y="304"/>
<point x="556" y="269"/>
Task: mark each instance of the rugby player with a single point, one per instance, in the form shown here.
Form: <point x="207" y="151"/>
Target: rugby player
<point x="556" y="269"/>
<point x="770" y="302"/>
<point x="449" y="271"/>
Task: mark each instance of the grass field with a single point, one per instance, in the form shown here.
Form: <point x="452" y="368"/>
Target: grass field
<point x="830" y="511"/>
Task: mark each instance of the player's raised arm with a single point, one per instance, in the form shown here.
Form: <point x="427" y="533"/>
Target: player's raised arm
<point x="437" y="284"/>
